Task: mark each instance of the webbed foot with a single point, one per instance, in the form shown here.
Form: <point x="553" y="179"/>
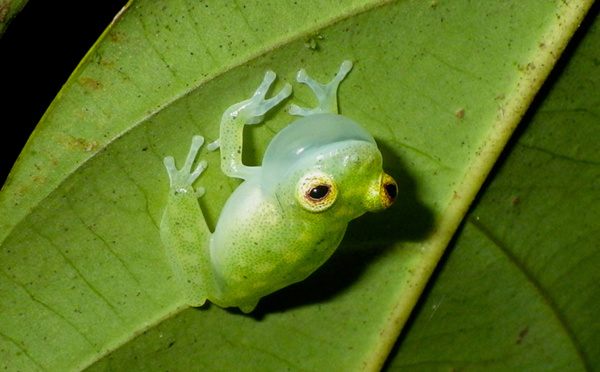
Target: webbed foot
<point x="326" y="93"/>
<point x="183" y="179"/>
<point x="253" y="110"/>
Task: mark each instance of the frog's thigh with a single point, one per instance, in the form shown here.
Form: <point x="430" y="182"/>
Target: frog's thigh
<point x="186" y="238"/>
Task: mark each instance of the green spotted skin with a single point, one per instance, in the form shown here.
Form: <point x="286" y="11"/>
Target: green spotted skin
<point x="289" y="215"/>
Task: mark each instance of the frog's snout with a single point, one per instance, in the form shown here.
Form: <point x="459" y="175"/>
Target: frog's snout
<point x="382" y="194"/>
<point x="388" y="190"/>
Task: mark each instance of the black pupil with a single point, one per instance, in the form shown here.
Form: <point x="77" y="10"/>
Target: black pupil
<point x="391" y="190"/>
<point x="319" y="192"/>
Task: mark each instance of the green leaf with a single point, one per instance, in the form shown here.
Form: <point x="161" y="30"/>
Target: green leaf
<point x="84" y="279"/>
<point x="519" y="290"/>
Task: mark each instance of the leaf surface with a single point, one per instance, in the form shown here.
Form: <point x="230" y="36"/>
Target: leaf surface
<point x="519" y="290"/>
<point x="82" y="267"/>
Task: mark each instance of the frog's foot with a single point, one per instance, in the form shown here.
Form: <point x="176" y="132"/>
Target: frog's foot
<point x="252" y="110"/>
<point x="183" y="179"/>
<point x="248" y="306"/>
<point x="326" y="93"/>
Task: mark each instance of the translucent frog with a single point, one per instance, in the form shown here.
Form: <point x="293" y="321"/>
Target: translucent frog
<point x="289" y="215"/>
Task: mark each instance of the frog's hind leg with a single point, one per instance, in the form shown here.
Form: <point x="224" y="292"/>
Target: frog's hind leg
<point x="183" y="229"/>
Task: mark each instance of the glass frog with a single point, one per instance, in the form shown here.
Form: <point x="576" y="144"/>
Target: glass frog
<point x="289" y="215"/>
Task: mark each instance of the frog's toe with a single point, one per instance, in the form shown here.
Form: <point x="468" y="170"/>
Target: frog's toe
<point x="200" y="191"/>
<point x="248" y="306"/>
<point x="265" y="105"/>
<point x="169" y="163"/>
<point x="262" y="90"/>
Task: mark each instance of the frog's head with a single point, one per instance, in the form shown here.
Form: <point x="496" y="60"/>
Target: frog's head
<point x="327" y="163"/>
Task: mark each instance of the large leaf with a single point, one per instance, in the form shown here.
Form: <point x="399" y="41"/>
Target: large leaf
<point x="519" y="290"/>
<point x="441" y="85"/>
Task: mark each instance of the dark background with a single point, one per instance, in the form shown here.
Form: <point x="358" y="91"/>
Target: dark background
<point x="38" y="52"/>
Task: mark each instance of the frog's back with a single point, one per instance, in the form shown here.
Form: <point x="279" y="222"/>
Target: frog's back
<point x="305" y="136"/>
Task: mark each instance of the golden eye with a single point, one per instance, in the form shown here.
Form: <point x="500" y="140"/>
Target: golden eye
<point x="316" y="192"/>
<point x="388" y="190"/>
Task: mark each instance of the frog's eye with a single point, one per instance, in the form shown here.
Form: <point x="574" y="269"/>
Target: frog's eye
<point x="388" y="190"/>
<point x="316" y="192"/>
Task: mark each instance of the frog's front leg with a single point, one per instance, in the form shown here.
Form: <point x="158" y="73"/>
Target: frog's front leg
<point x="250" y="111"/>
<point x="326" y="93"/>
<point x="184" y="232"/>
